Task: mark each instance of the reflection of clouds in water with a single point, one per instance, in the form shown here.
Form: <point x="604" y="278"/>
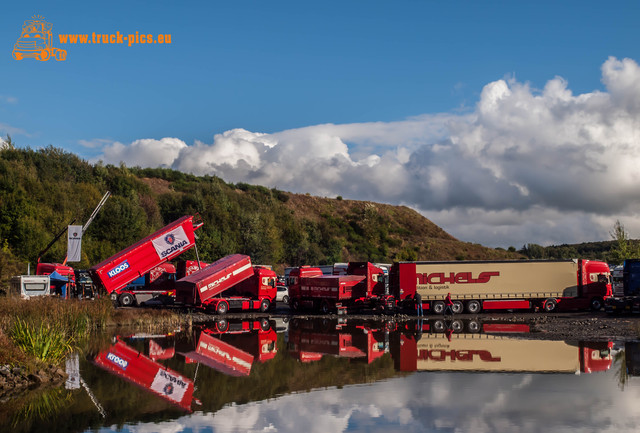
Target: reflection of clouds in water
<point x="476" y="403"/>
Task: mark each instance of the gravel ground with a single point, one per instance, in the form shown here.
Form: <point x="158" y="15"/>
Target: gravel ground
<point x="580" y="326"/>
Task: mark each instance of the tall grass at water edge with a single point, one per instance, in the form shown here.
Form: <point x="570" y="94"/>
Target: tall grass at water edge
<point x="48" y="328"/>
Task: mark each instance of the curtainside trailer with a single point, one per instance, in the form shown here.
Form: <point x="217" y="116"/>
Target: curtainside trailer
<point x="475" y="286"/>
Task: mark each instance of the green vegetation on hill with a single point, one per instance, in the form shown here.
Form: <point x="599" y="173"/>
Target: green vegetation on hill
<point x="42" y="191"/>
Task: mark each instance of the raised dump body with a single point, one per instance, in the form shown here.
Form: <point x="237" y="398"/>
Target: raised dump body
<point x="492" y="285"/>
<point x="199" y="288"/>
<point x="131" y="365"/>
<point x="232" y="348"/>
<point x="166" y="244"/>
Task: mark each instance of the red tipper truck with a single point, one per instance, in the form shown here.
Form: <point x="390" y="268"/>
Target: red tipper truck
<point x="149" y="375"/>
<point x="363" y="287"/>
<point x="502" y="285"/>
<point x="166" y="244"/>
<point x="206" y="288"/>
<point x="232" y="348"/>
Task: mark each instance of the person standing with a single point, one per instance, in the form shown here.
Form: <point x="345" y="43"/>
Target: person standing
<point x="448" y="304"/>
<point x="418" y="300"/>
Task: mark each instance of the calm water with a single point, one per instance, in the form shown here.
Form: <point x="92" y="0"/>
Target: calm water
<point x="329" y="376"/>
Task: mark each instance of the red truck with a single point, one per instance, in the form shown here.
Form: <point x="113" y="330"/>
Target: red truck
<point x="119" y="270"/>
<point x="444" y="350"/>
<point x="232" y="347"/>
<point x="363" y="287"/>
<point x="311" y="340"/>
<point x="475" y="286"/>
<point x="158" y="282"/>
<point x="135" y="367"/>
<point x="229" y="283"/>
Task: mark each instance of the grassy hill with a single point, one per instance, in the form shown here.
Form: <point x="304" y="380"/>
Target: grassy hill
<point x="42" y="191"/>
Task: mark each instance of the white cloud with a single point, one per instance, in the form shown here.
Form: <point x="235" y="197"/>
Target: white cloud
<point x="527" y="165"/>
<point x="433" y="402"/>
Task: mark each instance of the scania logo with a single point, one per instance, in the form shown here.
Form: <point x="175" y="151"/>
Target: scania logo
<point x="170" y="239"/>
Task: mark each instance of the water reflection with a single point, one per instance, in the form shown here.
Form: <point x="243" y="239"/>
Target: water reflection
<point x="242" y="375"/>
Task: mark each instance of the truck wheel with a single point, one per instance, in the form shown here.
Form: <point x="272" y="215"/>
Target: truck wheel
<point x="438" y="307"/>
<point x="222" y="325"/>
<point x="264" y="324"/>
<point x="285" y="299"/>
<point x="60" y="54"/>
<point x="264" y="305"/>
<point x="43" y="55"/>
<point x="596" y="304"/>
<point x="222" y="307"/>
<point x="473" y="326"/>
<point x="295" y="305"/>
<point x="550" y="305"/>
<point x="457" y="307"/>
<point x="474" y="307"/>
<point x="127" y="300"/>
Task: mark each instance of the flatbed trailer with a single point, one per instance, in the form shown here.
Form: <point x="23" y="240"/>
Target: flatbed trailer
<point x="475" y="286"/>
<point x="114" y="273"/>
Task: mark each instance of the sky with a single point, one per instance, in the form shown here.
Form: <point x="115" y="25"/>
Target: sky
<point x="505" y="123"/>
<point x="422" y="402"/>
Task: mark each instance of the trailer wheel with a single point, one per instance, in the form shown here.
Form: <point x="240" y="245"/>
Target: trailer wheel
<point x="457" y="307"/>
<point x="264" y="305"/>
<point x="550" y="305"/>
<point x="222" y="307"/>
<point x="474" y="307"/>
<point x="439" y="325"/>
<point x="456" y="325"/>
<point x="438" y="307"/>
<point x="597" y="303"/>
<point x="127" y="300"/>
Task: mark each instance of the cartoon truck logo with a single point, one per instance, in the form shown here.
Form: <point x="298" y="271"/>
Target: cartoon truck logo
<point x="36" y="41"/>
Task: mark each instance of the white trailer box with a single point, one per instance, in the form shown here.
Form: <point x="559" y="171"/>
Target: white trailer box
<point x="31" y="285"/>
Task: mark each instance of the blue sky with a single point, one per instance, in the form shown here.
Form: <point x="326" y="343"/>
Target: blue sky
<point x="277" y="67"/>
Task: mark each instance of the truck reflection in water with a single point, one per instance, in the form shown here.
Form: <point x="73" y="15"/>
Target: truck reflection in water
<point x="457" y="345"/>
<point x="445" y="345"/>
<point x="231" y="347"/>
<point x="133" y="366"/>
<point x="310" y="340"/>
